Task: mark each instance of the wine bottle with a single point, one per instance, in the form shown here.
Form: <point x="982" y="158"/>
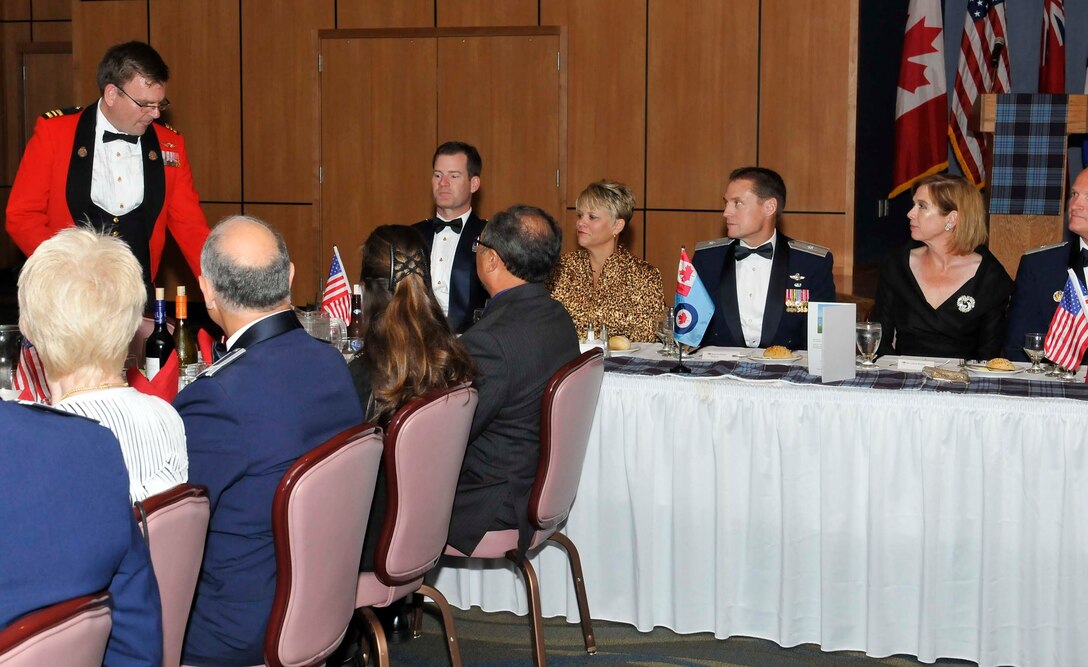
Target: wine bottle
<point x="355" y="328"/>
<point x="183" y="340"/>
<point x="159" y="344"/>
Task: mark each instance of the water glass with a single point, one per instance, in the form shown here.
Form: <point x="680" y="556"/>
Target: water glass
<point x="1033" y="347"/>
<point x="868" y="340"/>
<point x="666" y="333"/>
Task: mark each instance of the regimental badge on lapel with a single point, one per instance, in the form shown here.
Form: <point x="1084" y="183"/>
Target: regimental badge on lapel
<point x="152" y="155"/>
<point x="82" y="152"/>
<point x="796" y="300"/>
<point x="1058" y="296"/>
<point x="171" y="158"/>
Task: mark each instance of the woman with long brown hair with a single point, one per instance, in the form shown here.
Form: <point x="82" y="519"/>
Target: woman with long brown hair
<point x="408" y="347"/>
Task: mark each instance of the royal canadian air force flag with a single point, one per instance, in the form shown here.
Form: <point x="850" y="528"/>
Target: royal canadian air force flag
<point x="693" y="306"/>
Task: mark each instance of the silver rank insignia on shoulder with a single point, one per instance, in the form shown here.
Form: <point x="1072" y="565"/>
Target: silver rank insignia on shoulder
<point x="810" y="248"/>
<point x="1041" y="248"/>
<point x="796" y="300"/>
<point x="713" y="243"/>
<point x="226" y="360"/>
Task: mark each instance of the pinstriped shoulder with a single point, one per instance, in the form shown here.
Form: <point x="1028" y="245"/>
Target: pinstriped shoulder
<point x="713" y="243"/>
<point x="810" y="248"/>
<point x="1043" y="248"/>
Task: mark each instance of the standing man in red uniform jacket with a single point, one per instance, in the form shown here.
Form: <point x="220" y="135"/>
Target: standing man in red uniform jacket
<point x="112" y="167"/>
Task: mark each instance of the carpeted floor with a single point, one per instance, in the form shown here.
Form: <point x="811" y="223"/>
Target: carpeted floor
<point x="502" y="640"/>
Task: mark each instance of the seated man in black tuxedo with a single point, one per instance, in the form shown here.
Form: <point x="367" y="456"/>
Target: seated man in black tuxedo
<point x="1043" y="272"/>
<point x="523" y="338"/>
<point x="761" y="281"/>
<point x="449" y="235"/>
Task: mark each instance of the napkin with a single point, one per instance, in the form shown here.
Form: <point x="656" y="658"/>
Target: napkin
<point x="205" y="342"/>
<point x="164" y="384"/>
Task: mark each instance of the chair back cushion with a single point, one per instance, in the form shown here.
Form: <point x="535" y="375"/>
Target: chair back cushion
<point x="319" y="516"/>
<point x="71" y="633"/>
<point x="566" y="416"/>
<point x="176" y="528"/>
<point x="424" y="447"/>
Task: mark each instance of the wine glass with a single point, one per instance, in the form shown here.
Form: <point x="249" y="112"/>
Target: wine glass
<point x="868" y="340"/>
<point x="1033" y="347"/>
<point x="666" y="333"/>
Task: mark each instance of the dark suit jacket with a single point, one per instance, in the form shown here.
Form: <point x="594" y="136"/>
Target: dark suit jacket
<point x="68" y="528"/>
<point x="53" y="186"/>
<point x="466" y="292"/>
<point x="717" y="269"/>
<point x="523" y="338"/>
<point x="1042" y="272"/>
<point x="246" y="421"/>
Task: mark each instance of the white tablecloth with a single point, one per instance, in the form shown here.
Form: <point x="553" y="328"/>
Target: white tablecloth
<point x="883" y="521"/>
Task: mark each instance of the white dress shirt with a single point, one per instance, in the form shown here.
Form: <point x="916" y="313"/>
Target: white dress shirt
<point x="753" y="280"/>
<point x="117" y="175"/>
<point x="443" y="251"/>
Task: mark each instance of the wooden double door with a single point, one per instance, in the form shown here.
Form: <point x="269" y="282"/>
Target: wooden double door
<point x="389" y="97"/>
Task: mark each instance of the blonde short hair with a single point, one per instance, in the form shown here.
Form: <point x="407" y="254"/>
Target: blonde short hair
<point x="81" y="298"/>
<point x="616" y="198"/>
<point x="955" y="193"/>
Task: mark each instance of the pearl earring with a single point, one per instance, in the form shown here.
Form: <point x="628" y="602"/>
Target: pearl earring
<point x="948" y="226"/>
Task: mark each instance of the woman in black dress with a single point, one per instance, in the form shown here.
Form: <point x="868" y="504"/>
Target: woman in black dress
<point x="944" y="294"/>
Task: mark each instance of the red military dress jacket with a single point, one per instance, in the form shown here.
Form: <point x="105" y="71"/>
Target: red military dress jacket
<point x="53" y="185"/>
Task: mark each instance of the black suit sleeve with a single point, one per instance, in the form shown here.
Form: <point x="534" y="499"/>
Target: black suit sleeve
<point x="492" y="380"/>
<point x="1019" y="312"/>
<point x="884" y="311"/>
<point x="826" y="290"/>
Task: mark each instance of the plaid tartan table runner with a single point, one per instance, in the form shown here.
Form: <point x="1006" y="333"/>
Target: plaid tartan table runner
<point x="878" y="379"/>
<point x="1029" y="155"/>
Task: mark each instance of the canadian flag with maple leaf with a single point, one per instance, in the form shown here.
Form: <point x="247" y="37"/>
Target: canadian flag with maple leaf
<point x="693" y="306"/>
<point x="1052" y="53"/>
<point x="921" y="104"/>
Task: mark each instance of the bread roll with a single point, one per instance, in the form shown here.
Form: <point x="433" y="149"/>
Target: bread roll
<point x="1000" y="364"/>
<point x="619" y="343"/>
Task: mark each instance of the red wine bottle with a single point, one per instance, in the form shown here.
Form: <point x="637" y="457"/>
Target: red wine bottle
<point x="159" y="344"/>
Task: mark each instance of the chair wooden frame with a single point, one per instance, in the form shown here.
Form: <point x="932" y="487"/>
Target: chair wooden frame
<point x="24" y="629"/>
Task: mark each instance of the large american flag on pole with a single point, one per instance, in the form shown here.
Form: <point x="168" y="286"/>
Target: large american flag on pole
<point x="1052" y="52"/>
<point x="983" y="30"/>
<point x="337" y="298"/>
<point x="1067" y="337"/>
<point x="921" y="101"/>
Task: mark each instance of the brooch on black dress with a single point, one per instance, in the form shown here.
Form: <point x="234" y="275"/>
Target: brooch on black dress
<point x="965" y="303"/>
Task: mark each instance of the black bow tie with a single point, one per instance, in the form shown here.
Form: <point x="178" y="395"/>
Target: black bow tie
<point x="455" y="225"/>
<point x="765" y="250"/>
<point x="1083" y="258"/>
<point x="108" y="136"/>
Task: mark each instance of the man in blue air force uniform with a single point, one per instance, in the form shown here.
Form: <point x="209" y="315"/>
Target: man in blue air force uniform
<point x="68" y="528"/>
<point x="761" y="281"/>
<point x="273" y="396"/>
<point x="1042" y="275"/>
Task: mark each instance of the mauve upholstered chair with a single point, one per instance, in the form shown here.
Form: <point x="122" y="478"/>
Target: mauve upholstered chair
<point x="71" y="633"/>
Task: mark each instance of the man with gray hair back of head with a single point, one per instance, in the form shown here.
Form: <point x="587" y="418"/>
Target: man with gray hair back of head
<point x="276" y="394"/>
<point x="523" y="337"/>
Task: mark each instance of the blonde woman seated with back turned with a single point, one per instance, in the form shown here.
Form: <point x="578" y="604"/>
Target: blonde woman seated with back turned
<point x="943" y="295"/>
<point x="601" y="283"/>
<point x="81" y="298"/>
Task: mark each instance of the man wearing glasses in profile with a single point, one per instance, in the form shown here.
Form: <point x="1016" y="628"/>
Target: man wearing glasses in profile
<point x="100" y="166"/>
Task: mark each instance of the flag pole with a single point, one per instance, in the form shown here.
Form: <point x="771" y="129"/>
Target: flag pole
<point x="679" y="368"/>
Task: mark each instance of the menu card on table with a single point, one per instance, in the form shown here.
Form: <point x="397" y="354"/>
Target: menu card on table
<point x="831" y="340"/>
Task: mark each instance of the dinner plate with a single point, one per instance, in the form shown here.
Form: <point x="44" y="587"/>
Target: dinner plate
<point x="758" y="356"/>
<point x="983" y="370"/>
<point x="635" y="347"/>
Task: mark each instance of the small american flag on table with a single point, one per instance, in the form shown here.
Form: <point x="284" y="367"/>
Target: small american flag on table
<point x="1067" y="337"/>
<point x="337" y="298"/>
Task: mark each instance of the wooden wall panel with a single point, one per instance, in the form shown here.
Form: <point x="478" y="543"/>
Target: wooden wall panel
<point x="389" y="87"/>
<point x="490" y="90"/>
<point x="53" y="31"/>
<point x="52" y="10"/>
<point x="667" y="231"/>
<point x="279" y="93"/>
<point x="606" y="110"/>
<point x="298" y="225"/>
<point x="807" y="76"/>
<point x="11" y="138"/>
<point x="454" y="13"/>
<point x="15" y="10"/>
<point x="701" y="122"/>
<point x="96" y="26"/>
<point x="174" y="270"/>
<point x="198" y="39"/>
<point x="385" y="14"/>
<point x="49" y="86"/>
<point x="9" y="254"/>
